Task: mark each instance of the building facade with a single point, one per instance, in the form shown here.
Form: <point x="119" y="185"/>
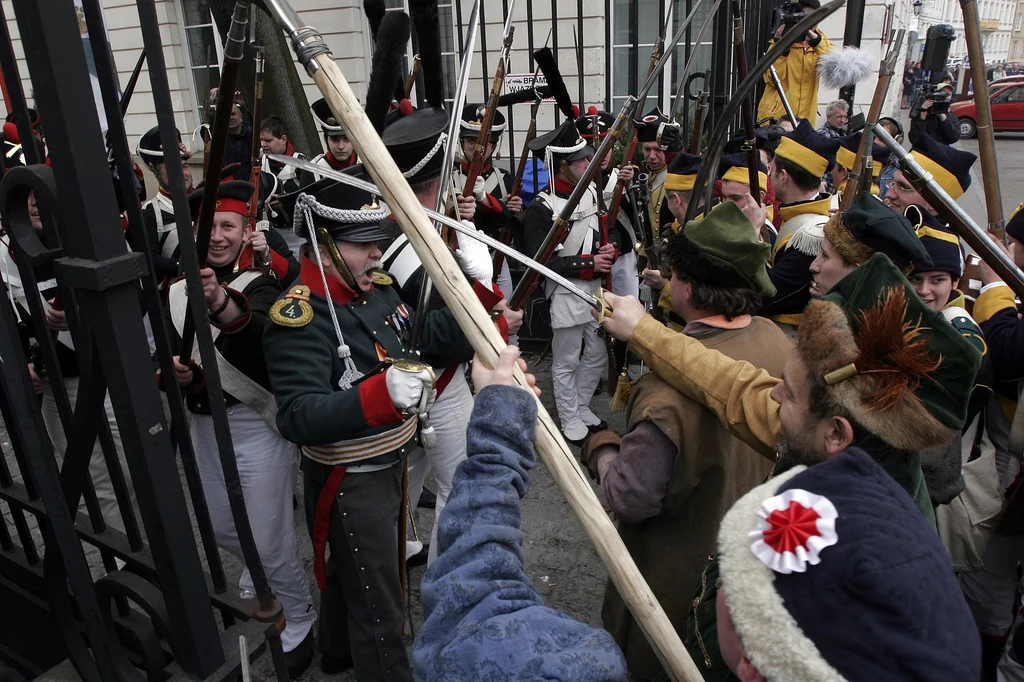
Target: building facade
<point x="615" y="38"/>
<point x="999" y="21"/>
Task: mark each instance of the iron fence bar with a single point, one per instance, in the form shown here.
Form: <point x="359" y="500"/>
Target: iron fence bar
<point x="133" y="209"/>
<point x="26" y="420"/>
<point x="6" y="543"/>
<point x="104" y="276"/>
<point x="15" y="211"/>
<point x="269" y="609"/>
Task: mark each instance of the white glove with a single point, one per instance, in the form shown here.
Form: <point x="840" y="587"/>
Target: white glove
<point x="474" y="259"/>
<point x="478" y="189"/>
<point x="410" y="389"/>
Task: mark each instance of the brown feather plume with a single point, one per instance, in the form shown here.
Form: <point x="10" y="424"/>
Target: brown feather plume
<point x="893" y="351"/>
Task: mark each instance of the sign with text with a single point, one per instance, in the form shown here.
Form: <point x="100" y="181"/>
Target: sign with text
<point x="524" y="81"/>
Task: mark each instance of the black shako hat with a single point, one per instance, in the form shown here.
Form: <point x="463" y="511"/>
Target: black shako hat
<point x="326" y="119"/>
<point x="563" y="143"/>
<point x="473" y="118"/>
<point x="416" y="143"/>
<point x="152" y="150"/>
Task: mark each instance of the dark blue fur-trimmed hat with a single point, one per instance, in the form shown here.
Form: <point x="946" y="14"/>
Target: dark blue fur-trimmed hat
<point x="831" y="573"/>
<point x="808" y="149"/>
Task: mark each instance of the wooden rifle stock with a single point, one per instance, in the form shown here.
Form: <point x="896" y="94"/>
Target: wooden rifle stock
<point x="483" y="138"/>
<point x="524" y="157"/>
<point x="747" y="109"/>
<point x="412" y="76"/>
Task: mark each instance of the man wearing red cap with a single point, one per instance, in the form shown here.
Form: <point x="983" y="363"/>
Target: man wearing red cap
<point x="238" y="298"/>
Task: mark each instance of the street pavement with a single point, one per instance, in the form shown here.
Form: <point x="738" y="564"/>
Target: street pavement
<point x="1010" y="160"/>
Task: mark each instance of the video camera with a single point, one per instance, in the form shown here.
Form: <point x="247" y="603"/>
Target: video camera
<point x="789" y="14"/>
<point x="937" y="42"/>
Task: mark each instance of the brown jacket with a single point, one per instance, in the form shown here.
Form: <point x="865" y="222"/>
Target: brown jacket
<point x="711" y="470"/>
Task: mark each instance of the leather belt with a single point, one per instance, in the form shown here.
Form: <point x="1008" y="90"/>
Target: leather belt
<point x="348" y="451"/>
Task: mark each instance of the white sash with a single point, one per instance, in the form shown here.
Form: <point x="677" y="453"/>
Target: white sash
<point x="232" y="379"/>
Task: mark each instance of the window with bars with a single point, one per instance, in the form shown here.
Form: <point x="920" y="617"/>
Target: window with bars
<point x="202" y="42"/>
<point x="636" y="24"/>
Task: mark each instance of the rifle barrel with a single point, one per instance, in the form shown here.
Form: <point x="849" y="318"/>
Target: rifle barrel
<point x="233" y="50"/>
<point x="129" y="88"/>
<point x="947" y="208"/>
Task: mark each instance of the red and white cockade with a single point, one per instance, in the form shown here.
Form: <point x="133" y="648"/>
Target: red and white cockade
<point x="792" y="529"/>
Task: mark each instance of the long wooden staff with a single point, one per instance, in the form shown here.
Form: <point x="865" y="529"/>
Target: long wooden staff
<point x="983" y="107"/>
<point x="486" y="341"/>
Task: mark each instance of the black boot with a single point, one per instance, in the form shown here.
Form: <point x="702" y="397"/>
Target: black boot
<point x="299" y="658"/>
<point x="330" y="665"/>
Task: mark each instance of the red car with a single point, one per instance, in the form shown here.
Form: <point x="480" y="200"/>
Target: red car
<point x="1007" y="111"/>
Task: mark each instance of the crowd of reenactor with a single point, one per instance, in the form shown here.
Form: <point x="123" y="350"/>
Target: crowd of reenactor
<point x="815" y="455"/>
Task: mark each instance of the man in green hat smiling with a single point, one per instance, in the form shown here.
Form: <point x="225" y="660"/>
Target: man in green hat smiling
<point x="673" y="474"/>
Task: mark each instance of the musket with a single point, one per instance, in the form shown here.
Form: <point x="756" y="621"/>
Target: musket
<point x="782" y="95"/>
<point x="412" y="76"/>
<point x="517" y="183"/>
<point x="445" y="181"/>
<point x="983" y="106"/>
<point x="480" y="331"/>
<point x="634" y="141"/>
<point x="254" y="152"/>
<point x="561" y="223"/>
<point x="699" y="112"/>
<point x="484" y="137"/>
<point x="709" y="168"/>
<point x="747" y="107"/>
<point x="129" y="88"/>
<point x="531" y="132"/>
<point x="859" y="180"/>
<point x="234" y="48"/>
<point x="947" y="209"/>
<point x="645" y="229"/>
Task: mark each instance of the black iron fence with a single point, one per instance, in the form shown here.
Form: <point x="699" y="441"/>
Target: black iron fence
<point x="123" y="589"/>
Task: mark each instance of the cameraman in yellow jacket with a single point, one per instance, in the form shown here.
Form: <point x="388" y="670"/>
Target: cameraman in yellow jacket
<point x="797" y="72"/>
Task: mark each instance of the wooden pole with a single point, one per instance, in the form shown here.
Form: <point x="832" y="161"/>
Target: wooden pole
<point x="983" y="106"/>
<point x="451" y="283"/>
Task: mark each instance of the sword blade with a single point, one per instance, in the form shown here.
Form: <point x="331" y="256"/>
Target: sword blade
<point x="456" y="225"/>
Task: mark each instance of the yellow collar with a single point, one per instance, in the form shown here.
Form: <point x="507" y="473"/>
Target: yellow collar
<point x="818" y="206"/>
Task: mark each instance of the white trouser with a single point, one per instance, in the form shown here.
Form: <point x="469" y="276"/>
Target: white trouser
<point x="101" y="481"/>
<point x="625" y="277"/>
<point x="576" y="376"/>
<point x="294" y="242"/>
<point x="267" y="468"/>
<point x="450" y="417"/>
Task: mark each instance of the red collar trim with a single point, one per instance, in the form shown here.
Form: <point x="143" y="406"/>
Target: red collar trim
<point x="339" y="165"/>
<point x="289" y="150"/>
<point x="563" y="186"/>
<point x="340" y="292"/>
<point x="464" y="164"/>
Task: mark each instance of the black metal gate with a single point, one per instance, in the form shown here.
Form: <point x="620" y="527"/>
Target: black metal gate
<point x="125" y="591"/>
